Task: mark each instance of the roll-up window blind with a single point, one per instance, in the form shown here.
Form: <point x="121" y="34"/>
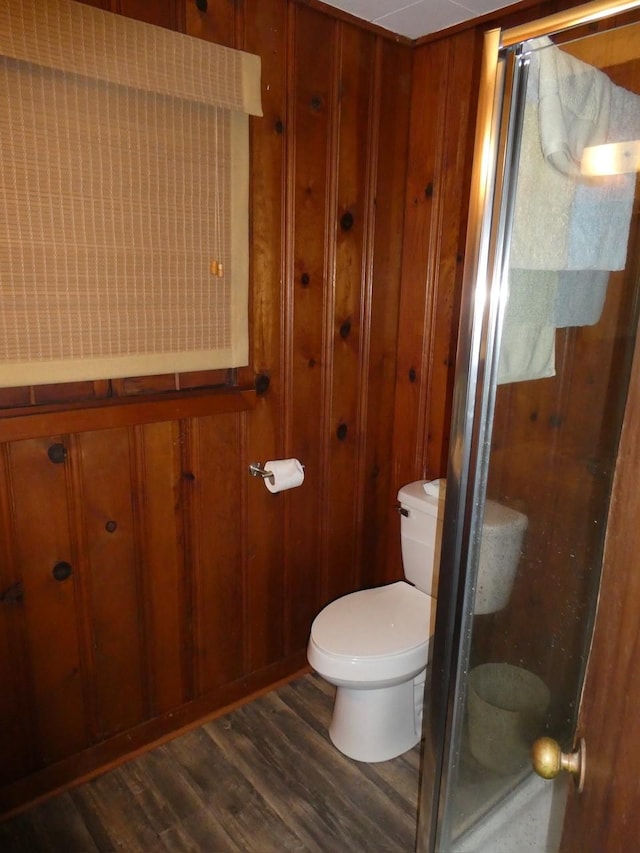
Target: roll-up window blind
<point x="124" y="173"/>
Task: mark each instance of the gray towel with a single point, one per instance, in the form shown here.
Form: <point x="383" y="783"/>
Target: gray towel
<point x="602" y="206"/>
<point x="579" y="297"/>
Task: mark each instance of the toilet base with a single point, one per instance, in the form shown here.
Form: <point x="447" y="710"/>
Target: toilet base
<point x="377" y="724"/>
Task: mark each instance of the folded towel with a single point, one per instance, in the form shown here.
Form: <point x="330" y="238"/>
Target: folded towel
<point x="532" y="297"/>
<point x="540" y="234"/>
<point x="527" y="347"/>
<point x="526" y="352"/>
<point x="599" y="223"/>
<point x="569" y="230"/>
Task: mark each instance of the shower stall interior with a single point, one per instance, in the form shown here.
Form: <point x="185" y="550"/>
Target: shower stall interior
<point x="548" y="330"/>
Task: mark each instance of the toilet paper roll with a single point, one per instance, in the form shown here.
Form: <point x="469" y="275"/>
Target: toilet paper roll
<point x="287" y="474"/>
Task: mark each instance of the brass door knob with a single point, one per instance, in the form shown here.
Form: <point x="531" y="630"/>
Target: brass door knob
<point x="548" y="760"/>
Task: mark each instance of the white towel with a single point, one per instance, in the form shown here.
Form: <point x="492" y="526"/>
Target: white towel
<point x="541" y="224"/>
<point x="543" y="195"/>
<point x="527" y="347"/>
<point x="527" y="352"/>
<point x="564" y="220"/>
<point x="575" y="108"/>
<point x="568" y="230"/>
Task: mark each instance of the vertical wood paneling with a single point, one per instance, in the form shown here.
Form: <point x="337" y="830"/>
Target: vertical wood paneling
<point x="106" y="460"/>
<point x="423" y="205"/>
<point x="266" y="34"/>
<point x="14" y="731"/>
<point x="349" y="335"/>
<point x="442" y="121"/>
<point x="162" y="13"/>
<point x="379" y="521"/>
<point x="216" y="532"/>
<point x="217" y="24"/>
<point x="311" y="83"/>
<point x="453" y="194"/>
<point x="16" y="738"/>
<point x="41" y="540"/>
<point x="208" y="577"/>
<point x="158" y="482"/>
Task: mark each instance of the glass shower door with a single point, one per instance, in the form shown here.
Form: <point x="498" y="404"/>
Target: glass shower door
<point x="551" y="311"/>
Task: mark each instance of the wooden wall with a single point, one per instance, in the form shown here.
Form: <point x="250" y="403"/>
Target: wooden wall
<point x="190" y="585"/>
<point x="145" y="578"/>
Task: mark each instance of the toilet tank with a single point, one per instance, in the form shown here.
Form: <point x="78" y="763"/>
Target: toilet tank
<point x="503" y="530"/>
<point x="422" y="512"/>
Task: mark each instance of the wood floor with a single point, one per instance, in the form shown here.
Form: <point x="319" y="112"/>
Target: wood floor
<point x="263" y="778"/>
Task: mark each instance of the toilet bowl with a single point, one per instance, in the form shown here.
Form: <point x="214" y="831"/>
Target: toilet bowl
<point x="374" y="646"/>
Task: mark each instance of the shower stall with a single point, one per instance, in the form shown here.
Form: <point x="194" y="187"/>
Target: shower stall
<point x="547" y="337"/>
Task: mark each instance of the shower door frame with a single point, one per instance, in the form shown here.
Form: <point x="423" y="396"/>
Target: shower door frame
<point x="491" y="202"/>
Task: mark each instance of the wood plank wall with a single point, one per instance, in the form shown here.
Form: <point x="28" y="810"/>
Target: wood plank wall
<point x="184" y="584"/>
<point x="191" y="586"/>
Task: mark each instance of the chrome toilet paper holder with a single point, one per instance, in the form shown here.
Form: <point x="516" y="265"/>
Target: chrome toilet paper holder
<point x="257" y="469"/>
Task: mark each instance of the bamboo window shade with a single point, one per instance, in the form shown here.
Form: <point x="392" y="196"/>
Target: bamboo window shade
<point x="124" y="170"/>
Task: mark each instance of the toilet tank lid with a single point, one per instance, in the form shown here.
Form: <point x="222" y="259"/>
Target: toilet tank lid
<point x="423" y="496"/>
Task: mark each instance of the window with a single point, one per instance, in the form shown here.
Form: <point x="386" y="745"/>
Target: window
<point x="124" y="179"/>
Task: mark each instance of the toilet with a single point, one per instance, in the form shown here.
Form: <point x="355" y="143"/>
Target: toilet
<point x="374" y="645"/>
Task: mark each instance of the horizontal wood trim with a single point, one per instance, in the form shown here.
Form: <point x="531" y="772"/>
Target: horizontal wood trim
<point x="126" y="745"/>
<point x="107" y="414"/>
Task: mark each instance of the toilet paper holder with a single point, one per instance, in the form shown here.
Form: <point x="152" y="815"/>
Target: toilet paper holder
<point x="257" y="469"/>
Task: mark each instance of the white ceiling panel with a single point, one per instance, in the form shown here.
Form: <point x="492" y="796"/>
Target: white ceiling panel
<point x="424" y="17"/>
<point x="481" y="7"/>
<point x="366" y="9"/>
<point x="415" y="18"/>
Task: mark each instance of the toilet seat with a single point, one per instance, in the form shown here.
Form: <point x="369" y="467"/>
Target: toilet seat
<point x="374" y="635"/>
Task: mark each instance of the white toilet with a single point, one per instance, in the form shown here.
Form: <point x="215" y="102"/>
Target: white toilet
<point x="374" y="645"/>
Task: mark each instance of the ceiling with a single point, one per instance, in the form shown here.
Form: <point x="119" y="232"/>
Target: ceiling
<point x="415" y="18"/>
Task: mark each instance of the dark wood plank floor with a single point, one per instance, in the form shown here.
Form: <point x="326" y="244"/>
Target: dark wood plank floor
<point x="263" y="778"/>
